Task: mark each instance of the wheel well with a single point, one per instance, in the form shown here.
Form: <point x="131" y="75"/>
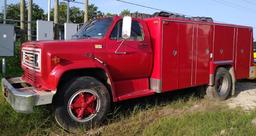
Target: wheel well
<point x="230" y="68"/>
<point x="223" y="66"/>
<point x="97" y="73"/>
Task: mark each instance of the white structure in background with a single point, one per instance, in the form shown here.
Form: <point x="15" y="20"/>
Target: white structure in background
<point x="44" y="30"/>
<point x="69" y="30"/>
<point x="7" y="38"/>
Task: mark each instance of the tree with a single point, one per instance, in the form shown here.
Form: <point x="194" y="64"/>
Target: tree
<point x="1" y="17"/>
<point x="76" y="15"/>
<point x="13" y="12"/>
<point x="125" y="12"/>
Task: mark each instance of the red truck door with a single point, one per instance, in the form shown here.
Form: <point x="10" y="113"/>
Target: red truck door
<point x="186" y="54"/>
<point x="203" y="46"/>
<point x="177" y="55"/>
<point x="243" y="52"/>
<point x="132" y="59"/>
<point x="170" y="56"/>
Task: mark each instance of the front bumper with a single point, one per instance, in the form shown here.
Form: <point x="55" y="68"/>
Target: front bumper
<point x="23" y="97"/>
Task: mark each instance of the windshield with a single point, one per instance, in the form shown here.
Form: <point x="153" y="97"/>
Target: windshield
<point x="95" y="29"/>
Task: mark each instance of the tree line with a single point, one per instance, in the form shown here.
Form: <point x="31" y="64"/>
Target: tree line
<point x="76" y="14"/>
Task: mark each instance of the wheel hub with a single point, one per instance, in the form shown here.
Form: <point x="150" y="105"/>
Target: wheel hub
<point x="83" y="105"/>
<point x="222" y="85"/>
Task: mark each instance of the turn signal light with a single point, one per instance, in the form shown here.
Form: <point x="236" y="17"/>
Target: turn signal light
<point x="55" y="60"/>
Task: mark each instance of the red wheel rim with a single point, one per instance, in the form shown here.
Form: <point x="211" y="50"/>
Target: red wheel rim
<point x="83" y="105"/>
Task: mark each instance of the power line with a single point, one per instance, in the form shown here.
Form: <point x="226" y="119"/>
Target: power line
<point x="77" y="2"/>
<point x="248" y="1"/>
<point x="139" y="5"/>
<point x="233" y="5"/>
<point x="149" y="7"/>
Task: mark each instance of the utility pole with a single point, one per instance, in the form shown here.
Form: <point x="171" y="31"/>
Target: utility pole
<point x="30" y="2"/>
<point x="5" y="6"/>
<point x="49" y="10"/>
<point x="68" y="11"/>
<point x="3" y="59"/>
<point x="56" y="19"/>
<point x="22" y="20"/>
<point x="22" y="14"/>
<point x="86" y="3"/>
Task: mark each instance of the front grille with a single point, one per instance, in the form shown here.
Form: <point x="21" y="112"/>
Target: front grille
<point x="31" y="58"/>
<point x="30" y="76"/>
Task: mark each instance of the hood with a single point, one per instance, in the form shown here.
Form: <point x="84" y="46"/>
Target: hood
<point x="83" y="45"/>
<point x="61" y="43"/>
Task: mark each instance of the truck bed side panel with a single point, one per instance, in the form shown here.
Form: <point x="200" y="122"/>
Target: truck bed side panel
<point x="243" y="54"/>
<point x="224" y="39"/>
<point x="185" y="53"/>
<point x="204" y="37"/>
<point x="170" y="55"/>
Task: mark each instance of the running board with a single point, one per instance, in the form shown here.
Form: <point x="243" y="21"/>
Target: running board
<point x="137" y="94"/>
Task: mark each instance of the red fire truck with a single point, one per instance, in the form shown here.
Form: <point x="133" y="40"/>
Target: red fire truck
<point x="119" y="58"/>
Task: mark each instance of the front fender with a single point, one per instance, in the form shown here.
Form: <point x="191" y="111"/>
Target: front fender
<point x="58" y="71"/>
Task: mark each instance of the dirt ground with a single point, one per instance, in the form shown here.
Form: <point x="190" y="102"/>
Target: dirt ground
<point x="246" y="96"/>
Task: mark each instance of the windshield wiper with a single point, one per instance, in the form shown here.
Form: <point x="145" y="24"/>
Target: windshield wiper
<point x="85" y="35"/>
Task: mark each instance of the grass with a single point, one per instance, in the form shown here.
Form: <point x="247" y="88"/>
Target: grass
<point x="169" y="114"/>
<point x="177" y="113"/>
<point x="223" y="122"/>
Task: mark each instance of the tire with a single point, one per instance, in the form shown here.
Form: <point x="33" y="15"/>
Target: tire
<point x="85" y="104"/>
<point x="222" y="87"/>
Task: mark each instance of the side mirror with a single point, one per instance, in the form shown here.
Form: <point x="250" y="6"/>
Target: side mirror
<point x="127" y="26"/>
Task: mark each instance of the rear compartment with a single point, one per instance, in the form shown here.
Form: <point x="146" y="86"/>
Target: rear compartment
<point x="186" y="53"/>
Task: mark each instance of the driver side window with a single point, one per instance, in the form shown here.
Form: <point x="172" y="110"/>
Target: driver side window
<point x="136" y="33"/>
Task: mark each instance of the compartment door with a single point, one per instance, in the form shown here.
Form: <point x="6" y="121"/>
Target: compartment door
<point x="186" y="53"/>
<point x="170" y="56"/>
<point x="243" y="53"/>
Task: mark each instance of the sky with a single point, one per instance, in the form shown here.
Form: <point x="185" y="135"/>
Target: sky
<point x="242" y="12"/>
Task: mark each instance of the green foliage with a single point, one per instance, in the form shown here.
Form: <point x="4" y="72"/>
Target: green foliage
<point x="76" y="15"/>
<point x="125" y="12"/>
<point x="110" y="14"/>
<point x="13" y="12"/>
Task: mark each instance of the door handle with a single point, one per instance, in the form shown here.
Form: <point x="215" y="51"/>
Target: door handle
<point x="174" y="52"/>
<point x="143" y="45"/>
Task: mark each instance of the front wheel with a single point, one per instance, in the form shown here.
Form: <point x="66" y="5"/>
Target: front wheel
<point x="85" y="103"/>
<point x="222" y="85"/>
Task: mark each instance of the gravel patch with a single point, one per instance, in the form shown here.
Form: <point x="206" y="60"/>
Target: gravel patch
<point x="246" y="97"/>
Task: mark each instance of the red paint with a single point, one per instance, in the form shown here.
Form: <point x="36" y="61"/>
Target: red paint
<point x="83" y="105"/>
<point x="174" y="52"/>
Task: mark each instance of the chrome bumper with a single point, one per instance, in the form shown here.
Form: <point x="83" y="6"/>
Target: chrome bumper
<point x="22" y="97"/>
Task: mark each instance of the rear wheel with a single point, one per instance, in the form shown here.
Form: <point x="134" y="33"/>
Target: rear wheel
<point x="85" y="103"/>
<point x="222" y="85"/>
